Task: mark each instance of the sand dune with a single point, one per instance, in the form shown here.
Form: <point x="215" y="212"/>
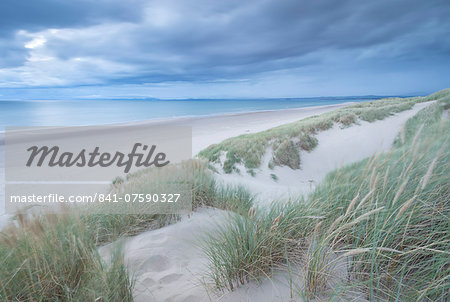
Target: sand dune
<point x="168" y="263"/>
<point x="337" y="147"/>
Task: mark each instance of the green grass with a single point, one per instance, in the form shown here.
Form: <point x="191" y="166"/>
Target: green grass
<point x="287" y="154"/>
<point x="55" y="258"/>
<point x="249" y="246"/>
<point x="388" y="217"/>
<point x="251" y="172"/>
<point x="392" y="212"/>
<point x="195" y="174"/>
<point x="249" y="149"/>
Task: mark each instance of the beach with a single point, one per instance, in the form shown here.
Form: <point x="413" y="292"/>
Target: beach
<point x="169" y="263"/>
<point x="206" y="130"/>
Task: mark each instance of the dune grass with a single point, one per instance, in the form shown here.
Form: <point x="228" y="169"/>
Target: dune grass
<point x="205" y="191"/>
<point x="386" y="216"/>
<point x="391" y="213"/>
<point x="249" y="149"/>
<point x="54" y="257"/>
<point x="287" y="154"/>
<point x="249" y="246"/>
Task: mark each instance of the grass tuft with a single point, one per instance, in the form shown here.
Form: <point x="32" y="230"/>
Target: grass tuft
<point x="287" y="154"/>
<point x="248" y="246"/>
<point x="54" y="258"/>
<point x="249" y="149"/>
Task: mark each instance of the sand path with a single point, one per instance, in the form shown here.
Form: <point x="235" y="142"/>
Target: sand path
<point x="337" y="147"/>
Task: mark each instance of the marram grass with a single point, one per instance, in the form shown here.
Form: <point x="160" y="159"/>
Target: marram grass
<point x="387" y="217"/>
<point x="54" y="257"/>
<point x="249" y="149"/>
<point x="205" y="191"/>
<point x="394" y="210"/>
<point x="249" y="246"/>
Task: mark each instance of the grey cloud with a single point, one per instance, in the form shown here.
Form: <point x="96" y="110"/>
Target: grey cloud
<point x="41" y="14"/>
<point x="32" y="16"/>
<point x="212" y="40"/>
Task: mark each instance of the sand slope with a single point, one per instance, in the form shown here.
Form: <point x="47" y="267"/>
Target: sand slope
<point x="168" y="263"/>
<point x="337" y="147"/>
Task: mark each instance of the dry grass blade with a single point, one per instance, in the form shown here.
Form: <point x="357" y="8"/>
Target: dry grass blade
<point x="405" y="206"/>
<point x="364" y="199"/>
<point x="352" y="204"/>
<point x="427" y="176"/>
<point x="400" y="190"/>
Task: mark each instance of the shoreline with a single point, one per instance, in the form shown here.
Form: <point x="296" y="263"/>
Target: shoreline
<point x="195" y="117"/>
<point x="207" y="130"/>
<point x="211" y="129"/>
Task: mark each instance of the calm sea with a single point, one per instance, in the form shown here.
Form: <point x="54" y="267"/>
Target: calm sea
<point x="94" y="112"/>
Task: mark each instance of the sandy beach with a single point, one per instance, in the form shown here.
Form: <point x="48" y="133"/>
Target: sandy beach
<point x="207" y="130"/>
<point x="214" y="129"/>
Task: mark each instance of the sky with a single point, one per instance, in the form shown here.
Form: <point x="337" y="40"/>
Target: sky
<point x="52" y="49"/>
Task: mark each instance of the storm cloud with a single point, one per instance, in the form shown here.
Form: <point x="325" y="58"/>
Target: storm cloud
<point x="292" y="48"/>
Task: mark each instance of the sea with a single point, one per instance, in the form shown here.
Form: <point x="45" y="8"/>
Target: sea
<point x="96" y="112"/>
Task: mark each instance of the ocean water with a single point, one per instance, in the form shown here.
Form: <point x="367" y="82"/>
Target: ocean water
<point x="95" y="112"/>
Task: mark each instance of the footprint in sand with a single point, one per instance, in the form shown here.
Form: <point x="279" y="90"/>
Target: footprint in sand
<point x="170" y="278"/>
<point x="146" y="280"/>
<point x="156" y="263"/>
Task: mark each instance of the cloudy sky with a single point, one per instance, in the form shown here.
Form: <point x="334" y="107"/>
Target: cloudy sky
<point x="222" y="49"/>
